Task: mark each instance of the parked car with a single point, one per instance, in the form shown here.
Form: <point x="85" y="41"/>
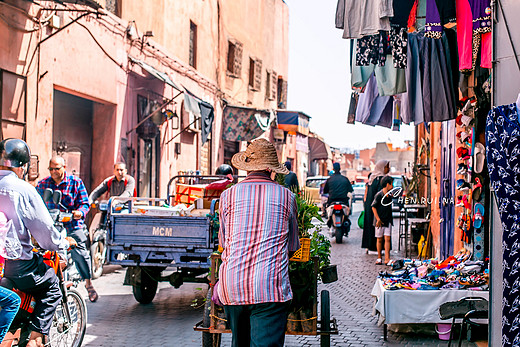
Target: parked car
<point x="314" y="187"/>
<point x="359" y="191"/>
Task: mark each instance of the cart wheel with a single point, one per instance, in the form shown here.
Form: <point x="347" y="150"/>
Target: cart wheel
<point x="339" y="235"/>
<point x="325" y="318"/>
<point x="145" y="292"/>
<point x="209" y="339"/>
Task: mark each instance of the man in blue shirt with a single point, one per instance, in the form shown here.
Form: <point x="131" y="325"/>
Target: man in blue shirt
<point x="75" y="200"/>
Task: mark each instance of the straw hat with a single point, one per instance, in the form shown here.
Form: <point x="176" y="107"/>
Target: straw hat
<point x="260" y="155"/>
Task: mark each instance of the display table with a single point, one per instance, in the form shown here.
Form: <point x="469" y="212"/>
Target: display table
<point x="414" y="306"/>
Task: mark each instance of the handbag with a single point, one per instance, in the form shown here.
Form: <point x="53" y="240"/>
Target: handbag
<point x="361" y="220"/>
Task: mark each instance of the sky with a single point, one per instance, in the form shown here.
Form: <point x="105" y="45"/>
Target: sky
<point x="319" y="78"/>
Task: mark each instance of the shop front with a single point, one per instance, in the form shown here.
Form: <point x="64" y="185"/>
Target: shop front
<point x="414" y="67"/>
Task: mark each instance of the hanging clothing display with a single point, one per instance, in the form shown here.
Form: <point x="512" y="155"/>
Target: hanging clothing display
<point x="244" y="124"/>
<point x="446" y="9"/>
<point x="207" y="117"/>
<point x="401" y="9"/>
<point x="373" y="109"/>
<point x="474" y="33"/>
<point x="398" y="45"/>
<point x="364" y="17"/>
<point x="372" y="49"/>
<point x="340" y="14"/>
<point x="433" y="21"/>
<point x="430" y="79"/>
<point x="390" y="80"/>
<point x="503" y="162"/>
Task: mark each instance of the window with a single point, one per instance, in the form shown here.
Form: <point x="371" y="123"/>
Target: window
<point x="13" y="89"/>
<point x="271" y="85"/>
<point x="114" y="6"/>
<point x="193" y="44"/>
<point x="234" y="58"/>
<point x="255" y="74"/>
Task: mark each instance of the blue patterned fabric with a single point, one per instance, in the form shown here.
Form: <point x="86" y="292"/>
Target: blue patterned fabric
<point x="503" y="160"/>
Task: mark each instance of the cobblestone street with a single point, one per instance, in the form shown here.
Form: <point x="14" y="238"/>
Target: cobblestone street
<point x="118" y="320"/>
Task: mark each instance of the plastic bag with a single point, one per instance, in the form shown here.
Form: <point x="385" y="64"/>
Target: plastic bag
<point x="361" y="220"/>
<point x="10" y="246"/>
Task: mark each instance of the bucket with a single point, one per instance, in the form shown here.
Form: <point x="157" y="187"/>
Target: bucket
<point x="444" y="330"/>
<point x="329" y="274"/>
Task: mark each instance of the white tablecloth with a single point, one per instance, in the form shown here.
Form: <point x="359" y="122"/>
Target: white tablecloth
<point x="415" y="306"/>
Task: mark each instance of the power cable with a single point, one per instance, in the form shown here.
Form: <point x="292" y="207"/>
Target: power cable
<point x="101" y="47"/>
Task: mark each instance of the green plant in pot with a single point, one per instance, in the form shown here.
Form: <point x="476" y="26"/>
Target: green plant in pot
<point x="301" y="274"/>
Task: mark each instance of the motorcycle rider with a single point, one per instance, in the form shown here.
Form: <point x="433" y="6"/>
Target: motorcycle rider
<point x="74" y="199"/>
<point x="339" y="189"/>
<point x="120" y="184"/>
<point x="22" y="205"/>
<point x="224" y="170"/>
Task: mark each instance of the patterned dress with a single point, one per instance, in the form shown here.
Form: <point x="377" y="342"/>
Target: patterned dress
<point x="503" y="160"/>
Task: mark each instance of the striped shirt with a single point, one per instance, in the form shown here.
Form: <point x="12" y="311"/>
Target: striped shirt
<point x="258" y="227"/>
<point x="74" y="197"/>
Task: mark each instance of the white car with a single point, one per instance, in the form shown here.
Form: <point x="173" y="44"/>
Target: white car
<point x="359" y="191"/>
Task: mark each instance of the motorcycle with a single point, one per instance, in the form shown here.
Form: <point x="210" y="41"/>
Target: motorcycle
<point x="69" y="322"/>
<point x="99" y="231"/>
<point x="340" y="221"/>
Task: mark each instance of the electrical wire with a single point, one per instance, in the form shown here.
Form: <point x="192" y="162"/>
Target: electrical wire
<point x="101" y="47"/>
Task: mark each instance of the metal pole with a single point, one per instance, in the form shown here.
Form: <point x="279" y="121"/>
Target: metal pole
<point x="153" y="113"/>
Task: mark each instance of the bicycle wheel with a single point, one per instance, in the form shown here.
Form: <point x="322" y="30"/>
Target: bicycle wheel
<point x="69" y="334"/>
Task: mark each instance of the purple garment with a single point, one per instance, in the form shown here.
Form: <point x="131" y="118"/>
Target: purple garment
<point x="433" y="20"/>
<point x="372" y="108"/>
<point x="481" y="10"/>
<point x="366" y="99"/>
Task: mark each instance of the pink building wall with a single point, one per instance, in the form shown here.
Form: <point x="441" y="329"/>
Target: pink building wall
<point x="72" y="62"/>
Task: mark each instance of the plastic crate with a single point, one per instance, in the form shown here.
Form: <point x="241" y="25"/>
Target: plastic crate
<point x="303" y="254"/>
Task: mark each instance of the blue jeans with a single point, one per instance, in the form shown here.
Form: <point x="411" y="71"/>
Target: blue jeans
<point x="258" y="325"/>
<point x="9" y="302"/>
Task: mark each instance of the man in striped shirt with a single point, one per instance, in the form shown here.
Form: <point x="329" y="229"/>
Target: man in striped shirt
<point x="258" y="230"/>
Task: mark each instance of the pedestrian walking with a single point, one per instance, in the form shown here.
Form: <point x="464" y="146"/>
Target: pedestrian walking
<point x="291" y="180"/>
<point x="258" y="233"/>
<point x="383" y="221"/>
<point x="374" y="185"/>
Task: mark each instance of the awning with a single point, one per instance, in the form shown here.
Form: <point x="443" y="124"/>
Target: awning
<point x="318" y="149"/>
<point x="154" y="72"/>
<point x="293" y="121"/>
<point x="244" y="123"/>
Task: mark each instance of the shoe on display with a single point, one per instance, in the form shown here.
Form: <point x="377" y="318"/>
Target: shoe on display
<point x="462" y="185"/>
<point x="462" y="169"/>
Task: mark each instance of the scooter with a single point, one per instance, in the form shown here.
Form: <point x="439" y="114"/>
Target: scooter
<point x="340" y="221"/>
<point x="69" y="322"/>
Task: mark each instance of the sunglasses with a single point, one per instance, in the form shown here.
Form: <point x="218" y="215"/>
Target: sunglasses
<point x="55" y="168"/>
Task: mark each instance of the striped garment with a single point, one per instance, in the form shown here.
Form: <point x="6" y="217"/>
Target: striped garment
<point x="258" y="227"/>
<point x="74" y="197"/>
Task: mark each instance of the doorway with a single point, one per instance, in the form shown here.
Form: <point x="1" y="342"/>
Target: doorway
<point x="72" y="133"/>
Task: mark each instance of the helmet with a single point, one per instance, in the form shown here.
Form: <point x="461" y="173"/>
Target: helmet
<point x="14" y="153"/>
<point x="224" y="169"/>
